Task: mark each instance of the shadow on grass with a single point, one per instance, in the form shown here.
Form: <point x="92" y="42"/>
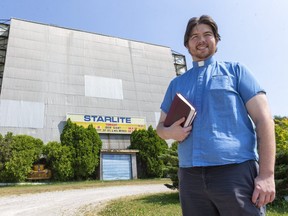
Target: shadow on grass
<point x="161" y="199"/>
<point x="279" y="207"/>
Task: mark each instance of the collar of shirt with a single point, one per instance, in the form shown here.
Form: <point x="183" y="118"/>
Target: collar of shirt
<point x="197" y="64"/>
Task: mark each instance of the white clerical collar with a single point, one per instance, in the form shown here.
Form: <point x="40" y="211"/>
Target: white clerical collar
<point x="201" y="63"/>
<point x="205" y="62"/>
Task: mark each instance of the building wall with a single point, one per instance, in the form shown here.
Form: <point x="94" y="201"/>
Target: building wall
<point x="51" y="71"/>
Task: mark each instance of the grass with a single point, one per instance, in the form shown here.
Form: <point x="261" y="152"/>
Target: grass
<point x="151" y="205"/>
<point x="162" y="204"/>
<point x="159" y="204"/>
<point x="19" y="189"/>
<point x="277" y="208"/>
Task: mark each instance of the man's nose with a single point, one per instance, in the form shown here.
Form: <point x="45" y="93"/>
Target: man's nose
<point x="201" y="38"/>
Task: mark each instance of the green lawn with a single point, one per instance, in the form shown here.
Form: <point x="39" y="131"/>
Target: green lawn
<point x="162" y="204"/>
<point x="29" y="187"/>
<point x="149" y="205"/>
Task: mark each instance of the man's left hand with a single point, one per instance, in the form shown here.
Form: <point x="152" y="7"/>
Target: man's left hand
<point x="264" y="191"/>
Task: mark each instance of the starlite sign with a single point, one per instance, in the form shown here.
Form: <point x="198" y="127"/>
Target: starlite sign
<point x="109" y="124"/>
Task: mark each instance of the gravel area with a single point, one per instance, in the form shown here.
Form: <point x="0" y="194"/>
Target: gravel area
<point x="68" y="203"/>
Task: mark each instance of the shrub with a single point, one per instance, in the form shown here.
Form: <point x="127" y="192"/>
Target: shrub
<point x="170" y="159"/>
<point x="281" y="167"/>
<point x="85" y="145"/>
<point x="17" y="156"/>
<point x="281" y="172"/>
<point x="281" y="133"/>
<point x="59" y="160"/>
<point x="150" y="147"/>
<point x="5" y="149"/>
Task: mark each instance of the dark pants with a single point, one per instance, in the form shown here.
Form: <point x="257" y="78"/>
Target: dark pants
<point x="219" y="190"/>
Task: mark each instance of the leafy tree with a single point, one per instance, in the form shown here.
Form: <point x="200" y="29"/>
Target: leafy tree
<point x="85" y="145"/>
<point x="17" y="156"/>
<point x="281" y="133"/>
<point x="170" y="159"/>
<point x="281" y="167"/>
<point x="150" y="147"/>
<point x="59" y="160"/>
<point x="5" y="149"/>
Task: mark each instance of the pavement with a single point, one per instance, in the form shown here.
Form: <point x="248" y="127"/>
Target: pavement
<point x="70" y="202"/>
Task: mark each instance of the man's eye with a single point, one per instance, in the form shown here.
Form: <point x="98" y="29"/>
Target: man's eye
<point x="209" y="34"/>
<point x="193" y="37"/>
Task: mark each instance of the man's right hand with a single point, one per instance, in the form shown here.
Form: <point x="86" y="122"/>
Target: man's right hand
<point x="178" y="132"/>
<point x="175" y="131"/>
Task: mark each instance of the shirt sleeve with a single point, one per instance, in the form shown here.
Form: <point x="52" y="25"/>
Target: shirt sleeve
<point x="248" y="86"/>
<point x="166" y="103"/>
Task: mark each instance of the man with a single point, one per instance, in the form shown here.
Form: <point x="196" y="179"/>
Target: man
<point x="220" y="172"/>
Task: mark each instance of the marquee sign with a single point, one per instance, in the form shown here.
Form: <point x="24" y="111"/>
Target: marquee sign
<point x="109" y="124"/>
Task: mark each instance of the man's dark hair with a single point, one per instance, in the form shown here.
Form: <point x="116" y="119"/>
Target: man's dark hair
<point x="204" y="19"/>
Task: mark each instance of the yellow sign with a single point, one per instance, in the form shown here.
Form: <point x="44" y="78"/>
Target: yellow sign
<point x="109" y="124"/>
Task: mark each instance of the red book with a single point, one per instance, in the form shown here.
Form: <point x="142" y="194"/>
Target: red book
<point x="180" y="107"/>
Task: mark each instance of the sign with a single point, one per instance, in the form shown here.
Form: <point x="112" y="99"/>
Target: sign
<point x="109" y="124"/>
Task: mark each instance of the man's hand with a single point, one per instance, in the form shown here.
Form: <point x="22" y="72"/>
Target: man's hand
<point x="264" y="191"/>
<point x="177" y="132"/>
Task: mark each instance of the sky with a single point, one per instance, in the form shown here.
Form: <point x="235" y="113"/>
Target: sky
<point x="254" y="33"/>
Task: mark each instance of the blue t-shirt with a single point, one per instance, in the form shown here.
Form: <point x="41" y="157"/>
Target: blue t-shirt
<point x="222" y="132"/>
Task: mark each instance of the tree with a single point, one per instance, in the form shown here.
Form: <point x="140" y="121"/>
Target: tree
<point x="281" y="133"/>
<point x="170" y="159"/>
<point x="281" y="166"/>
<point x="17" y="156"/>
<point x="85" y="145"/>
<point x="5" y="149"/>
<point x="150" y="147"/>
<point x="59" y="160"/>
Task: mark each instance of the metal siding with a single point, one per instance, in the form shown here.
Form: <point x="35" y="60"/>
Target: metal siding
<point x="48" y="64"/>
<point x="116" y="166"/>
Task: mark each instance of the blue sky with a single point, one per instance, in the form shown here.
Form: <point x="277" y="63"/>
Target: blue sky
<point x="253" y="32"/>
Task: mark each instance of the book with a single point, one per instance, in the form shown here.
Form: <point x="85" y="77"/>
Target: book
<point x="179" y="108"/>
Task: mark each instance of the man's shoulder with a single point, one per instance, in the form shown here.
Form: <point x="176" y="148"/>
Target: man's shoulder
<point x="230" y="63"/>
<point x="183" y="76"/>
<point x="232" y="66"/>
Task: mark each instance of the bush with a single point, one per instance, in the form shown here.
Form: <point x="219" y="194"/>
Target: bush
<point x="150" y="147"/>
<point x="59" y="160"/>
<point x="17" y="156"/>
<point x="281" y="172"/>
<point x="281" y="133"/>
<point x="85" y="146"/>
<point x="281" y="167"/>
<point x="170" y="159"/>
<point x="5" y="149"/>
